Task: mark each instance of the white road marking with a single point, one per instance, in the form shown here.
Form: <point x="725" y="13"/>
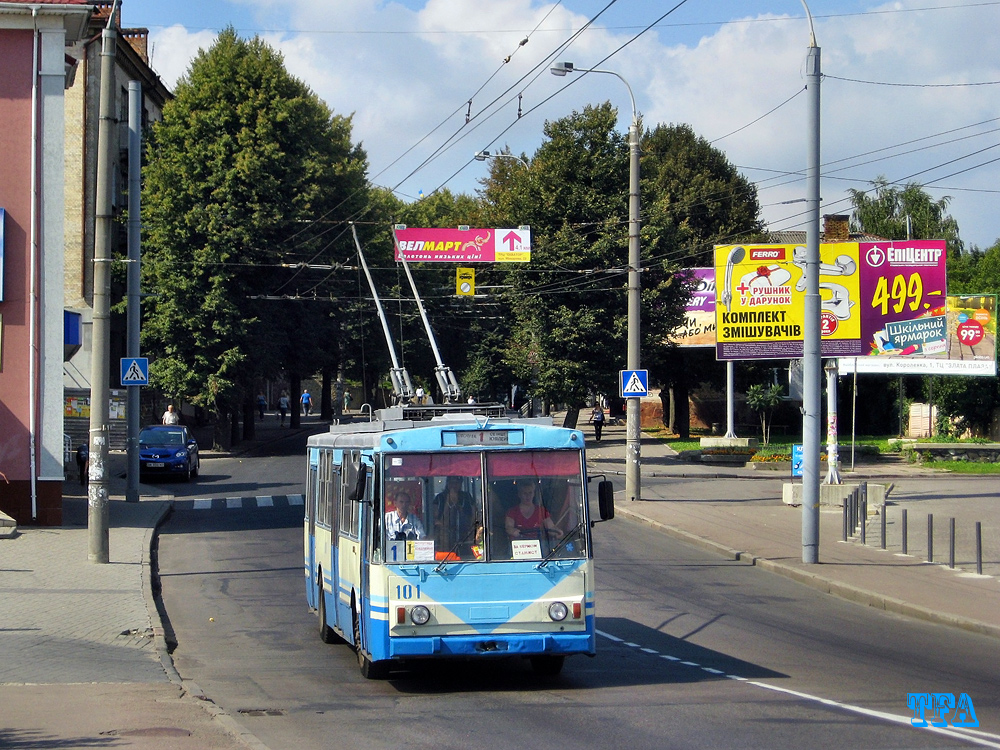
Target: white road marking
<point x="983" y="739"/>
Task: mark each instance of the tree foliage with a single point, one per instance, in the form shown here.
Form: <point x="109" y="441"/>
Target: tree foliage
<point x="884" y="209"/>
<point x="569" y="331"/>
<point x="244" y="156"/>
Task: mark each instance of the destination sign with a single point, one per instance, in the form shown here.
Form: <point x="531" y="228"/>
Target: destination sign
<point x="483" y="437"/>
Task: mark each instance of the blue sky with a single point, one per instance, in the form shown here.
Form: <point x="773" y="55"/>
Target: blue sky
<point x="898" y="97"/>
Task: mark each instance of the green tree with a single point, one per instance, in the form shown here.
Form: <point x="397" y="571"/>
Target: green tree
<point x="883" y="210"/>
<point x="568" y="336"/>
<point x="244" y="155"/>
<point x="693" y="198"/>
<point x="763" y="399"/>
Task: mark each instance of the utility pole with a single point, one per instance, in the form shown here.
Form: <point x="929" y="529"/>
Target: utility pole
<point x="633" y="429"/>
<point x="812" y="363"/>
<point x="134" y="238"/>
<point x="97" y="492"/>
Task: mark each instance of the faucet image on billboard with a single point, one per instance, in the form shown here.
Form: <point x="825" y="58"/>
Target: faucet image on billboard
<point x="736" y="255"/>
<point x="844" y="265"/>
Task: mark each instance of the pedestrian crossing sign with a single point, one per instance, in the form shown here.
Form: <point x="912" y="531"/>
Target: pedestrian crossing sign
<point x="135" y="371"/>
<point x="634" y="383"/>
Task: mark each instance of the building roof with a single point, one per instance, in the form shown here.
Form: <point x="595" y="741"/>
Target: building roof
<point x="797" y="237"/>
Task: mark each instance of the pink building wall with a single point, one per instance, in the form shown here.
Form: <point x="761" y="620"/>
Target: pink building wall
<point x="15" y="198"/>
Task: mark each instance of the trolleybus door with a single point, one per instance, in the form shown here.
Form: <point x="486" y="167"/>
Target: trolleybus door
<point x="364" y="549"/>
<point x="312" y="507"/>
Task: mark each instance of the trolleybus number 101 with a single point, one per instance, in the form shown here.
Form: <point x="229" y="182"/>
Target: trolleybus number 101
<point x="406" y="592"/>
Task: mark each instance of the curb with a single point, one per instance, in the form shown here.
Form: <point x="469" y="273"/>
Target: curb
<point x="190" y="689"/>
<point x="843" y="591"/>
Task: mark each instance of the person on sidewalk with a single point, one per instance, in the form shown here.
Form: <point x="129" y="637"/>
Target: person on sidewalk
<point x="307" y="403"/>
<point x="261" y="405"/>
<point x="597" y="417"/>
<point x="283" y="406"/>
<point x="170" y="416"/>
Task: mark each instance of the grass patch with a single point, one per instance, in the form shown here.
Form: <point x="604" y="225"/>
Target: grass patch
<point x="963" y="467"/>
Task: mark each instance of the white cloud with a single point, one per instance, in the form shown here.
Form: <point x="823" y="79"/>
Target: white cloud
<point x="406" y="67"/>
<point x="173" y="49"/>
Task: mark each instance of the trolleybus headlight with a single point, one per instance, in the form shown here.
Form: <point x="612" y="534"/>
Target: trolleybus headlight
<point x="419" y="615"/>
<point x="558" y="611"/>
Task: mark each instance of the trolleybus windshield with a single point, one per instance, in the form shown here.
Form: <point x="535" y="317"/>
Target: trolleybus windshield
<point x="483" y="506"/>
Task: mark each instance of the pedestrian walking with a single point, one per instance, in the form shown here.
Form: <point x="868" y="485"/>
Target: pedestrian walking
<point x="307" y="403"/>
<point x="261" y="405"/>
<point x="170" y="416"/>
<point x="283" y="406"/>
<point x="420" y="394"/>
<point x="597" y="417"/>
<point x="347" y="400"/>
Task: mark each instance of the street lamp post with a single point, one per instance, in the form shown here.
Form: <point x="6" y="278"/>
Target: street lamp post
<point x="633" y="476"/>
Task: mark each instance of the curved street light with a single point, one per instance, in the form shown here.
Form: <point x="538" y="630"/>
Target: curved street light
<point x="484" y="155"/>
<point x="633" y="476"/>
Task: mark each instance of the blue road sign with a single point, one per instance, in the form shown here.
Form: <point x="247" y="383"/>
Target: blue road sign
<point x="135" y="371"/>
<point x="633" y="383"/>
<point x="796" y="460"/>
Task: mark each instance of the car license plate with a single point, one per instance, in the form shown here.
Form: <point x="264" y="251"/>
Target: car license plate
<point x="155" y="464"/>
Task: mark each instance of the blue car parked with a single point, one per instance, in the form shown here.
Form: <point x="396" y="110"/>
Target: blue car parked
<point x="168" y="450"/>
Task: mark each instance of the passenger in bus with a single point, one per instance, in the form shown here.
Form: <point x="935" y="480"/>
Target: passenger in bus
<point x="526" y="520"/>
<point x="401" y="523"/>
<point x="457" y="526"/>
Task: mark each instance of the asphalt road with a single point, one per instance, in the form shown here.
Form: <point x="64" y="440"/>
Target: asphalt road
<point x="694" y="651"/>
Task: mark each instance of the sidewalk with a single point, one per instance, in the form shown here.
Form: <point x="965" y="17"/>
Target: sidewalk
<point x="83" y="660"/>
<point x="738" y="513"/>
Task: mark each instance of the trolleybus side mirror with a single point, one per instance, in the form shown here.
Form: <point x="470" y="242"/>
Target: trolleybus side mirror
<point x="606" y="500"/>
<point x="358" y="493"/>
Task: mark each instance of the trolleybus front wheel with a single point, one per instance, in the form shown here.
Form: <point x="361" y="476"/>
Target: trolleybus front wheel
<point x="326" y="633"/>
<point x="370" y="670"/>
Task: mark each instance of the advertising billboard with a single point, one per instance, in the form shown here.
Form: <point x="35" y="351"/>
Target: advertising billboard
<point x="865" y="289"/>
<point x="960" y="340"/>
<point x="465" y="245"/>
<point x="698" y="329"/>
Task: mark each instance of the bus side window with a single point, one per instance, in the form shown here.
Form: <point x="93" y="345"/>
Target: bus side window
<point x="348" y="508"/>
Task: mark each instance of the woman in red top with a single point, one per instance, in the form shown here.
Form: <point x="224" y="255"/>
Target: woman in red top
<point x="526" y="520"/>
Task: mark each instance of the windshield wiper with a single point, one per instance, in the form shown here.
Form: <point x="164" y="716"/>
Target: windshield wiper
<point x="447" y="559"/>
<point x="562" y="543"/>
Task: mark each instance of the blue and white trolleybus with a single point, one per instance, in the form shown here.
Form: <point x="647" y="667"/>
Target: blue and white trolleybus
<point x="459" y="535"/>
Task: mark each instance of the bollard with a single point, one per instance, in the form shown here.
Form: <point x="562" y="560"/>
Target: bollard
<point x="847" y="502"/>
<point x="930" y="537"/>
<point x="863" y="514"/>
<point x="864" y="510"/>
<point x="979" y="548"/>
<point x="951" y="543"/>
<point x="902" y="531"/>
<point x="854" y="512"/>
<point x="882" y="540"/>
